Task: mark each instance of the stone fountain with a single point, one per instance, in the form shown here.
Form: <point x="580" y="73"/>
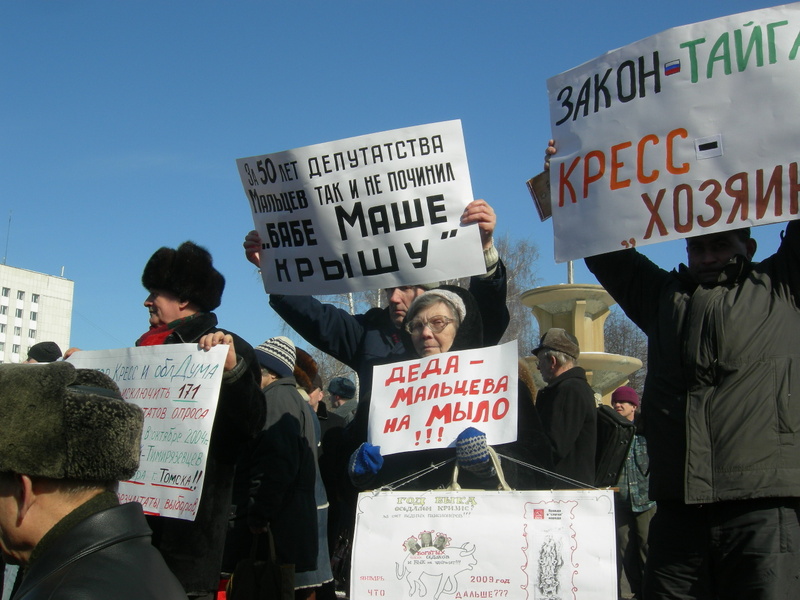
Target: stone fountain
<point x="581" y="309"/>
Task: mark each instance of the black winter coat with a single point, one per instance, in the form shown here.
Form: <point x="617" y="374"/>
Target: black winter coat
<point x="720" y="401"/>
<point x="569" y="416"/>
<point x="274" y="483"/>
<point x="106" y="555"/>
<point x="193" y="549"/>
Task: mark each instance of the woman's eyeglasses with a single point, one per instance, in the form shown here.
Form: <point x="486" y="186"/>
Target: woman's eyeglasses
<point x="435" y="324"/>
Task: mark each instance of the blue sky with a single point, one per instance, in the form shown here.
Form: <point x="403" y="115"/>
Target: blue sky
<point x="120" y="122"/>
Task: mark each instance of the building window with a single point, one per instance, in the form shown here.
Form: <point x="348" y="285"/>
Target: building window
<point x="2" y="346"/>
<point x="32" y="334"/>
<point x="17" y="330"/>
<point x="33" y="316"/>
<point x="35" y="298"/>
<point x="20" y="295"/>
<point x="2" y="328"/>
<point x="18" y="313"/>
<point x="3" y="309"/>
<point x="6" y="292"/>
<point x="15" y="349"/>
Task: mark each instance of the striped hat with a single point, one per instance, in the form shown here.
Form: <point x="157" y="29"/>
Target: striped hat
<point x="278" y="355"/>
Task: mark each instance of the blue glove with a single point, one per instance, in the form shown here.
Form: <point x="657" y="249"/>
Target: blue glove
<point x="472" y="453"/>
<point x="364" y="464"/>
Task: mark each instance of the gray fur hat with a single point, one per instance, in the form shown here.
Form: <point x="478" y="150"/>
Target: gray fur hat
<point x="188" y="272"/>
<point x="60" y="422"/>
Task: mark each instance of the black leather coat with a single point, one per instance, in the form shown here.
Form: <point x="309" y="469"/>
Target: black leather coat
<point x="106" y="555"/>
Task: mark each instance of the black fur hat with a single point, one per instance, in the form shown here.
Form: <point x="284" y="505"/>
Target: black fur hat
<point x="66" y="423"/>
<point x="188" y="273"/>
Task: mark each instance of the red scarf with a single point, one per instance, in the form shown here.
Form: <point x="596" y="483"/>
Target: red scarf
<point x="155" y="336"/>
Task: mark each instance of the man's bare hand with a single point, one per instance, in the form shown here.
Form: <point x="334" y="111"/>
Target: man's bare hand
<point x="209" y="340"/>
<point x="252" y="248"/>
<point x="479" y="211"/>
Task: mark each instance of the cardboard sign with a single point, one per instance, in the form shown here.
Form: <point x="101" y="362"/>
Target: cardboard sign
<point x="177" y="387"/>
<point x="425" y="403"/>
<point x="368" y="212"/>
<point x="687" y="132"/>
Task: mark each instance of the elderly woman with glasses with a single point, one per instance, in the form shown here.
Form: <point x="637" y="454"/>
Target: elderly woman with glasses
<point x="446" y="319"/>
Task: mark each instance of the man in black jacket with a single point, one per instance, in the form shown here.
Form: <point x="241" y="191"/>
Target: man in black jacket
<point x="66" y="438"/>
<point x="184" y="289"/>
<point x="720" y="410"/>
<point x="567" y="409"/>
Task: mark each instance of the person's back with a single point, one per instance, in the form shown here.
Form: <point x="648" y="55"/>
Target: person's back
<point x="108" y="554"/>
<point x="567" y="409"/>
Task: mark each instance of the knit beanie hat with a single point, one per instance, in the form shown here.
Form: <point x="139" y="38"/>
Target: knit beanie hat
<point x="278" y="355"/>
<point x="625" y="394"/>
<point x="44" y="352"/>
<point x="188" y="273"/>
<point x="66" y="423"/>
<point x="445" y="294"/>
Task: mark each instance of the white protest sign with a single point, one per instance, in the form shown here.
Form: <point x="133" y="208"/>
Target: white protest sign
<point x="425" y="403"/>
<point x="480" y="544"/>
<point x="177" y="387"/>
<point x="690" y="131"/>
<point x="367" y="212"/>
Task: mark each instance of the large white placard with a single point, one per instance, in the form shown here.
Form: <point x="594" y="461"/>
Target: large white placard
<point x="367" y="212"/>
<point x="518" y="545"/>
<point x="690" y="131"/>
<point x="425" y="403"/>
<point x="177" y="387"/>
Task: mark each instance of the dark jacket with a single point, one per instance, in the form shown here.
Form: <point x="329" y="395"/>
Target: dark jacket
<point x="193" y="549"/>
<point x="569" y="416"/>
<point x="720" y="401"/>
<point x="359" y="341"/>
<point x="282" y="476"/>
<point x="106" y="555"/>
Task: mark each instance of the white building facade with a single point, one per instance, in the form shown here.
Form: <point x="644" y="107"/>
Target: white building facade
<point x="34" y="307"/>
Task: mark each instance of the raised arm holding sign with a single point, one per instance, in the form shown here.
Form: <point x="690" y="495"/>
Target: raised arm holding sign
<point x="719" y="399"/>
<point x="359" y="340"/>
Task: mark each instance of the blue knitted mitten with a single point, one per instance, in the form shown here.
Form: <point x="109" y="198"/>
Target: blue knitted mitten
<point x="364" y="464"/>
<point x="472" y="453"/>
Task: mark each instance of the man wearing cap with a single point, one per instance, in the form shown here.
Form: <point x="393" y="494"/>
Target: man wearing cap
<point x="567" y="409"/>
<point x="277" y="473"/>
<point x="66" y="438"/>
<point x="43" y="352"/>
<point x="633" y="509"/>
<point x="184" y="288"/>
<point x="359" y="341"/>
<point x="343" y="392"/>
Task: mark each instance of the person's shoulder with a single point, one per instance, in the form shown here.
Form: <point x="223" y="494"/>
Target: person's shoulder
<point x="375" y="318"/>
